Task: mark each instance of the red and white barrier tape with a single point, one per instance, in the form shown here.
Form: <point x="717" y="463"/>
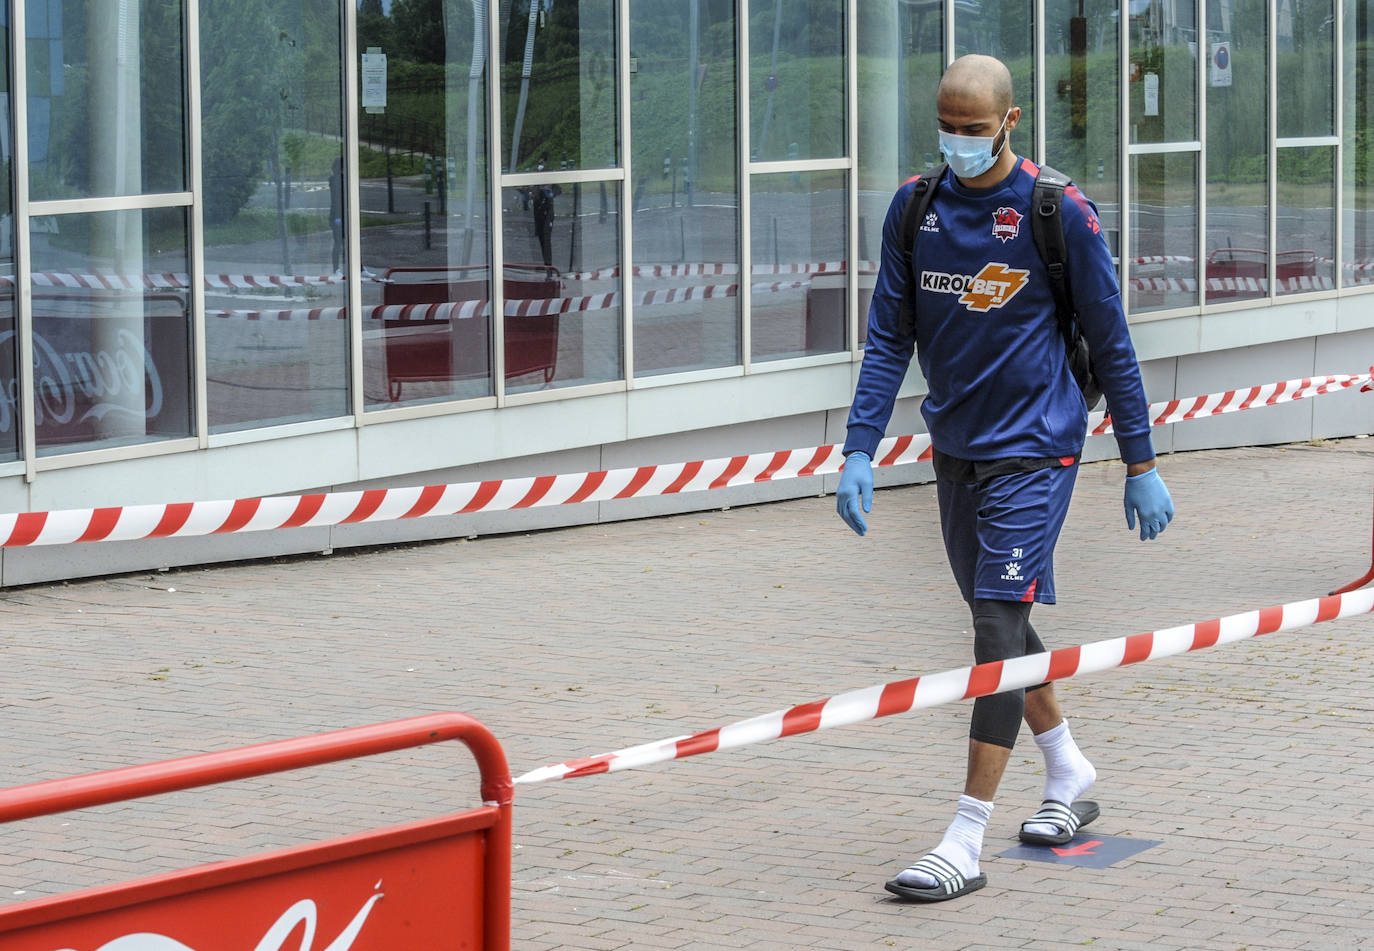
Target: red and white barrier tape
<point x="525" y="307"/>
<point x="1262" y="255"/>
<point x="219" y="282"/>
<point x="659" y="271"/>
<point x="188" y="519"/>
<point x="1164" y="259"/>
<point x="248" y="282"/>
<point x="445" y="310"/>
<point x="245" y="282"/>
<point x="966" y="683"/>
<point x="1251" y="285"/>
<point x="1234" y="401"/>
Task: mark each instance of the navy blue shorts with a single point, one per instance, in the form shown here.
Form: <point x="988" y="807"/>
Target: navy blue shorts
<point x="1001" y="520"/>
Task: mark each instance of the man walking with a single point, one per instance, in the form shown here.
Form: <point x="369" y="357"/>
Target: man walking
<point x="1007" y="423"/>
<point x="542" y="197"/>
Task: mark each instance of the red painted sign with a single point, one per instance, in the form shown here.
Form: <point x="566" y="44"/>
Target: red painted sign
<point x="413" y="887"/>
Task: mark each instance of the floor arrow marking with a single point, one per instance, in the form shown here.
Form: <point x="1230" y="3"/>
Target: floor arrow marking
<point x="1083" y="848"/>
<point x="1103" y="851"/>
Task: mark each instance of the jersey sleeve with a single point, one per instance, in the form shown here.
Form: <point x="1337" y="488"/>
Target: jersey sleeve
<point x="1097" y="299"/>
<point x="888" y="351"/>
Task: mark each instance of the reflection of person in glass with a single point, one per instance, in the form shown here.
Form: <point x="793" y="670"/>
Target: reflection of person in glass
<point x="336" y="188"/>
<point x="1007" y="422"/>
<point x="541" y="197"/>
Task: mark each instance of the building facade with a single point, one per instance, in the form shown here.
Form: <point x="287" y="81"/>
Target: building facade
<point x="261" y="247"/>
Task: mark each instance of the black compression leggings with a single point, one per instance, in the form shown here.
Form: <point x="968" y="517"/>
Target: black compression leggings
<point x="1001" y="631"/>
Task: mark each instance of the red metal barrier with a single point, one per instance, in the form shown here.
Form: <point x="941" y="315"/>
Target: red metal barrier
<point x="437" y="884"/>
<point x="446" y="349"/>
<point x="1244" y="272"/>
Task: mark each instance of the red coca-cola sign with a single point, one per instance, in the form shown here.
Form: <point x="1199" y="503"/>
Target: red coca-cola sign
<point x="440" y="884"/>
<point x="395" y="894"/>
<point x="98" y="377"/>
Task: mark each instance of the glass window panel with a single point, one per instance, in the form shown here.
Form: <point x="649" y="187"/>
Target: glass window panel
<point x="425" y="186"/>
<point x="1237" y="266"/>
<point x="105" y="98"/>
<point x="558" y="84"/>
<point x="1306" y="225"/>
<point x="276" y="333"/>
<point x="796" y="79"/>
<point x="798" y="291"/>
<point x="9" y="379"/>
<point x="9" y="325"/>
<point x="686" y="186"/>
<point x="112" y="360"/>
<point x="1006" y="30"/>
<point x="1082" y="103"/>
<point x="1164" y="223"/>
<point x="1305" y="34"/>
<point x="562" y="285"/>
<point x="1358" y="253"/>
<point x="901" y="58"/>
<point x="1163" y="70"/>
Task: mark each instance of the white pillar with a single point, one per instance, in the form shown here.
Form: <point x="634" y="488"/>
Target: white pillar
<point x="116" y="168"/>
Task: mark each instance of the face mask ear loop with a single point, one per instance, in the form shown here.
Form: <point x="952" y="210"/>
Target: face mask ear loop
<point x="1005" y="138"/>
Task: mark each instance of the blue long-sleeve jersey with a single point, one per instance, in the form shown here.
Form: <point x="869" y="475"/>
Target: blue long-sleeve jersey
<point x="986" y="335"/>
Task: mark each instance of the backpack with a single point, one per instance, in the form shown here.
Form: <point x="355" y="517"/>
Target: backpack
<point x="1047" y="228"/>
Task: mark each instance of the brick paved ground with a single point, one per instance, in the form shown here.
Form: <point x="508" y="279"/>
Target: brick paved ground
<point x="1252" y="764"/>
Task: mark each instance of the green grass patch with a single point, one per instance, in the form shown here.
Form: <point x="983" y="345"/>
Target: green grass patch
<point x="372" y="163"/>
<point x="260" y="224"/>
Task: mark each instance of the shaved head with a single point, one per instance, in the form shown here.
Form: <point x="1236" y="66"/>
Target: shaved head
<point x="975" y="101"/>
<point x="977" y="78"/>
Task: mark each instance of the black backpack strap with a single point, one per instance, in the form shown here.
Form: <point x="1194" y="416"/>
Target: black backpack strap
<point x="922" y="194"/>
<point x="1047" y="227"/>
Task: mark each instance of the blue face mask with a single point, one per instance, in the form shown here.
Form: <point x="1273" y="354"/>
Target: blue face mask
<point x="971" y="155"/>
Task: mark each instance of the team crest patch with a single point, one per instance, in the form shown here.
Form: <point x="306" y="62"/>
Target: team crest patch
<point x="1006" y="223"/>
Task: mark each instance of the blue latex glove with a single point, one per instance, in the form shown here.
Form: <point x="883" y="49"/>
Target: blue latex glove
<point x="1148" y="497"/>
<point x="856" y="488"/>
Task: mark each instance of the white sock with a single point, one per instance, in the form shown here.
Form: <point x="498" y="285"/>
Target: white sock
<point x="961" y="845"/>
<point x="1068" y="774"/>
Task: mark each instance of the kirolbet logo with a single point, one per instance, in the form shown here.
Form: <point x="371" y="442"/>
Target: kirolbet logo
<point x="991" y="287"/>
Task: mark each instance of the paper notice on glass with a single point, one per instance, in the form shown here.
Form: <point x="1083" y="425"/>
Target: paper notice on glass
<point x="1221" y="64"/>
<point x="1152" y="94"/>
<point x="374" y="81"/>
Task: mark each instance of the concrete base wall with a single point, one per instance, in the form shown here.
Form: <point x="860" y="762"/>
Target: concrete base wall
<point x="1344" y="414"/>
